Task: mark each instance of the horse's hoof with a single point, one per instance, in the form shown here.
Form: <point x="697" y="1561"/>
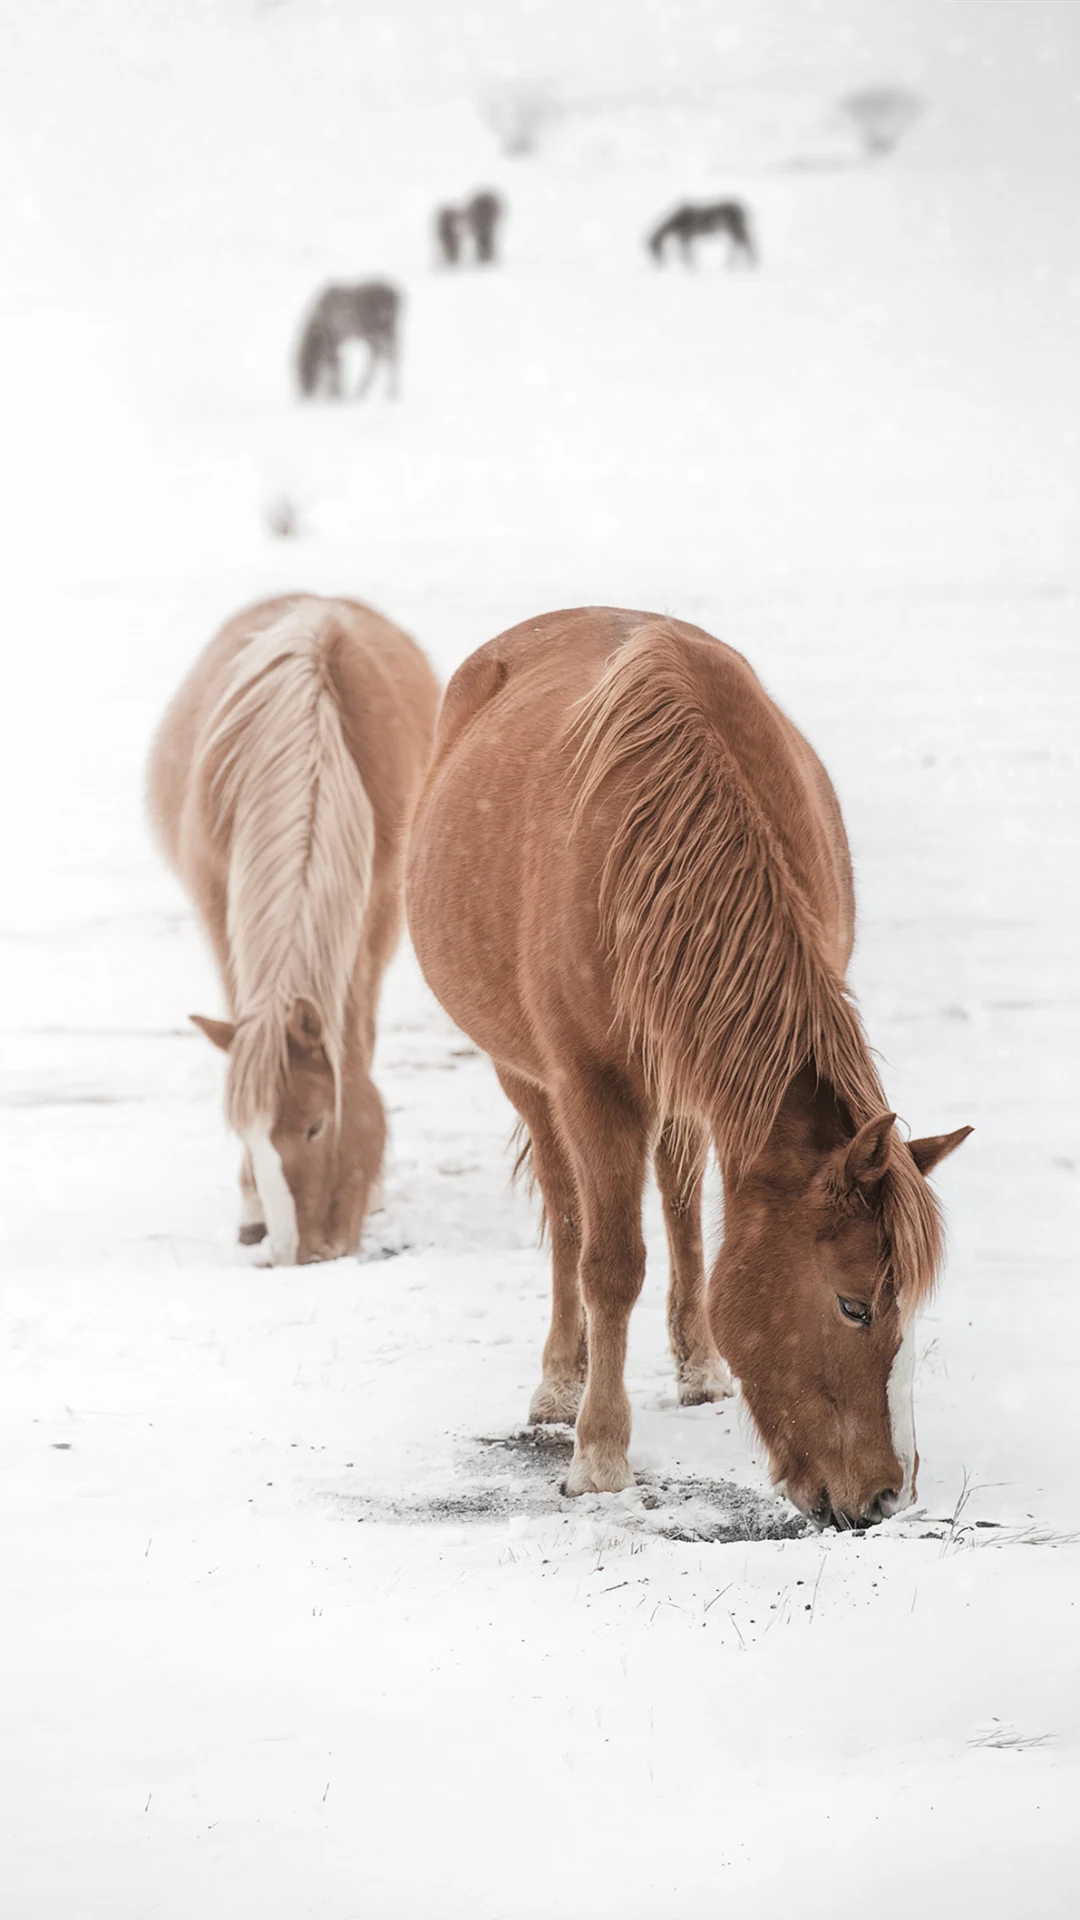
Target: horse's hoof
<point x="251" y="1233"/>
<point x="598" y="1470"/>
<point x="555" y="1403"/>
<point x="710" y="1381"/>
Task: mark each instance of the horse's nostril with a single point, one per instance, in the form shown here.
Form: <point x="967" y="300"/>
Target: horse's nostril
<point x="881" y="1506"/>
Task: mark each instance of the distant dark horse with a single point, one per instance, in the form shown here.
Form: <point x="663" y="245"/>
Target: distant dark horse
<point x="478" y="221"/>
<point x="689" y="223"/>
<point x="367" y="312"/>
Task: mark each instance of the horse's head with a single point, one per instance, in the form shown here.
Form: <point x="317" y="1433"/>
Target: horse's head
<point x="316" y="1158"/>
<point x="826" y="1250"/>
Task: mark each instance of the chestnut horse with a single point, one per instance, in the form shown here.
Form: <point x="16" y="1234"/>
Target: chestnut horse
<point x="281" y="783"/>
<point x="629" y="883"/>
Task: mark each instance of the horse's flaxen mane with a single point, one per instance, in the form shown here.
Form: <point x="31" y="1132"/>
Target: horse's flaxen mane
<point x="285" y="793"/>
<point x="719" y="971"/>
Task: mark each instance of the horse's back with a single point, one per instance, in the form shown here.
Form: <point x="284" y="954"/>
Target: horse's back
<point x="173" y="754"/>
<point x="370" y="306"/>
<point x="503" y="870"/>
<point x="531" y="679"/>
<point x="386" y="694"/>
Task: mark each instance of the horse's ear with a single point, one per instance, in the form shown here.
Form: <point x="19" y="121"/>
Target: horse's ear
<point x="868" y="1154"/>
<point x="304" y="1025"/>
<point x="929" y="1153"/>
<point x="221" y="1032"/>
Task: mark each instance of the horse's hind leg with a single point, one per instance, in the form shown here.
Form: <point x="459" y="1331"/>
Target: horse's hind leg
<point x="559" y="1394"/>
<point x="679" y="1158"/>
<point x="252" y="1222"/>
<point x="391" y="355"/>
<point x="607" y="1141"/>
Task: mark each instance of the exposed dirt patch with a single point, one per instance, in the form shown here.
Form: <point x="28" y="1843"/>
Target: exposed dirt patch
<point x="521" y="1474"/>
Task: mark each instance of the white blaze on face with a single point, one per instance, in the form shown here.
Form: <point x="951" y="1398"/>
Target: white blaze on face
<point x="901" y="1394"/>
<point x="279" y="1208"/>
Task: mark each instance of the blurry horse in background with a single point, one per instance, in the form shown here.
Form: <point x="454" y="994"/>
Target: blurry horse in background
<point x="281" y="783"/>
<point x="689" y="223"/>
<point x="369" y="312"/>
<point x="484" y="215"/>
<point x="478" y="221"/>
<point x="629" y="883"/>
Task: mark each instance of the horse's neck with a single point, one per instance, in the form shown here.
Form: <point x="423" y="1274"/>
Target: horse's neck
<point x="811" y="1123"/>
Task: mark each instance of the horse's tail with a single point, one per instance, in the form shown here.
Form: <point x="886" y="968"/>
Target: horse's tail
<point x="283" y="793"/>
<point x="718" y="971"/>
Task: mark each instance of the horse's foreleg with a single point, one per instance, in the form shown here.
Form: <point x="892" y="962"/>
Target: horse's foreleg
<point x="375" y="355"/>
<point x="558" y="1396"/>
<point x="679" y="1158"/>
<point x="606" y="1137"/>
<point x="252" y="1221"/>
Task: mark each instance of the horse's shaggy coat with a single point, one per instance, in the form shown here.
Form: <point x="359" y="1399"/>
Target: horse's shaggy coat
<point x="281" y="783"/>
<point x="371" y="312"/>
<point x="281" y="789"/>
<point x="629" y="882"/>
<point x="720" y="972"/>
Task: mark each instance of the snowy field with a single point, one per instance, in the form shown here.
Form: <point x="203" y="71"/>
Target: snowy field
<point x="293" y="1620"/>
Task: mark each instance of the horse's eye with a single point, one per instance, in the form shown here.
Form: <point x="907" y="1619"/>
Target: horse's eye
<point x="314" y="1130"/>
<point x="855" y="1310"/>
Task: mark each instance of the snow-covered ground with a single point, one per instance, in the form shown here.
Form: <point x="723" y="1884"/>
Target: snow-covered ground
<point x="292" y="1621"/>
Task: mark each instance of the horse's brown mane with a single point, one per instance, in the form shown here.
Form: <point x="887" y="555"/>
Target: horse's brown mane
<point x="719" y="971"/>
<point x="284" y="790"/>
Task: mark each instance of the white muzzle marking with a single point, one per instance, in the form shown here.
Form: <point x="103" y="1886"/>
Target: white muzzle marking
<point x="279" y="1207"/>
<point x="901" y="1397"/>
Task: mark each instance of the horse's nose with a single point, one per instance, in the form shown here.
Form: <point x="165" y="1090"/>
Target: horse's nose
<point x="888" y="1502"/>
<point x="881" y="1507"/>
<point x="878" y="1509"/>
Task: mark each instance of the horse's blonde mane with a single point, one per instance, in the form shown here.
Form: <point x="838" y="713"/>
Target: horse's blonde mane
<point x="284" y="794"/>
<point x="720" y="973"/>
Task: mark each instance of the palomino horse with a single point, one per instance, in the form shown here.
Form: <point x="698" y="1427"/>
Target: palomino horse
<point x="369" y="312"/>
<point x="282" y="782"/>
<point x="629" y="882"/>
<point x="689" y="223"/>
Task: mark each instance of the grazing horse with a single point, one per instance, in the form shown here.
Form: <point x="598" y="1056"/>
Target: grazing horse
<point x="629" y="883"/>
<point x="368" y="312"/>
<point x="281" y="784"/>
<point x="479" y="219"/>
<point x="688" y="223"/>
